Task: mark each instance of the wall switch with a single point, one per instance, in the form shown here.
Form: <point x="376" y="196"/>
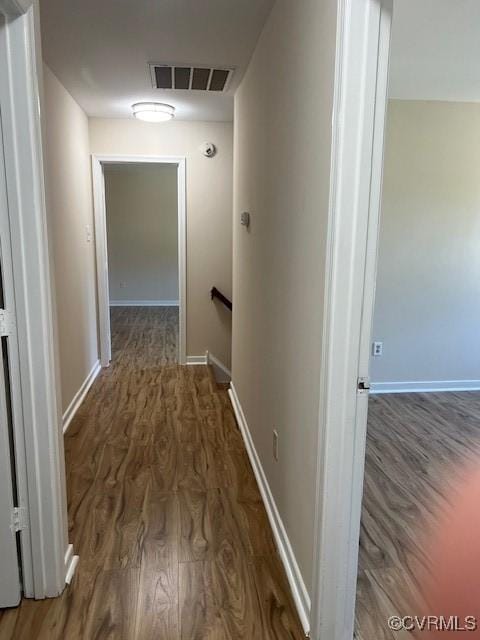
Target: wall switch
<point x="377" y="349"/>
<point x="275" y="444"/>
<point x="88" y="232"/>
<point x="245" y="219"/>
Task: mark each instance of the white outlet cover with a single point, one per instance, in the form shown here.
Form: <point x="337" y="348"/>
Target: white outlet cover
<point x="377" y="349"/>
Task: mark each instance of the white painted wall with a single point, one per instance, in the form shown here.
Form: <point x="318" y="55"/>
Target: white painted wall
<point x="209" y="213"/>
<point x="434" y="50"/>
<point x="142" y="232"/>
<point x="427" y="310"/>
<point x="69" y="198"/>
<point x="69" y="141"/>
<point x="283" y="122"/>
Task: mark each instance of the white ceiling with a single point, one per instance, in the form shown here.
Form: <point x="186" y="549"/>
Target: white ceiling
<point x="436" y="50"/>
<point x="100" y="49"/>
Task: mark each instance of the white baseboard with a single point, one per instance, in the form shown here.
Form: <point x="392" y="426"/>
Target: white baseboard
<point x="222" y="373"/>
<point x="71" y="562"/>
<point x="197" y="359"/>
<point x="297" y="585"/>
<point x="144" y="303"/>
<point x="424" y="386"/>
<point x="80" y="396"/>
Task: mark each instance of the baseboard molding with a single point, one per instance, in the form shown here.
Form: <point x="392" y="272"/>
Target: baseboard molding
<point x="80" y="396"/>
<point x="297" y="585"/>
<point x="222" y="373"/>
<point x="424" y="386"/>
<point x="71" y="562"/>
<point x="144" y="303"/>
<point x="197" y="359"/>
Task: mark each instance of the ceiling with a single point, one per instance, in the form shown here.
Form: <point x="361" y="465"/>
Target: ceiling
<point x="100" y="49"/>
<point x="435" y="51"/>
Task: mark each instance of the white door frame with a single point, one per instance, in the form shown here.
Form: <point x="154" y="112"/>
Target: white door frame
<point x="98" y="164"/>
<point x="361" y="79"/>
<point x="46" y="556"/>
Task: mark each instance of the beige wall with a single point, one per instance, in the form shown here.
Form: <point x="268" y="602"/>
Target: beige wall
<point x="69" y="198"/>
<point x="282" y="172"/>
<point x="209" y="213"/>
<point x="142" y="232"/>
<point x="427" y="310"/>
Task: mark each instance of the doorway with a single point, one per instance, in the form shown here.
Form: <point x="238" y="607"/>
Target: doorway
<point x="422" y="431"/>
<point x="140" y="236"/>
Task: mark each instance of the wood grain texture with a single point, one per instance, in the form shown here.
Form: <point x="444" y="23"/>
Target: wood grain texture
<point x="417" y="446"/>
<point x="164" y="509"/>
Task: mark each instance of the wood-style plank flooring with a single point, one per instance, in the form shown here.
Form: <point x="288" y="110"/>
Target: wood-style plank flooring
<point x="417" y="446"/>
<point x="164" y="510"/>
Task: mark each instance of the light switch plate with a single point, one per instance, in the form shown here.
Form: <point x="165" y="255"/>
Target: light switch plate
<point x="245" y="219"/>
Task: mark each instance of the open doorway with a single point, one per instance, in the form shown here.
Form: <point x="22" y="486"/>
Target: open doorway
<point x="142" y="241"/>
<point x="141" y="249"/>
<point x="423" y="430"/>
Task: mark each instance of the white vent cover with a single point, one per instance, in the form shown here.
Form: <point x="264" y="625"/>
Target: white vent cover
<point x="190" y="77"/>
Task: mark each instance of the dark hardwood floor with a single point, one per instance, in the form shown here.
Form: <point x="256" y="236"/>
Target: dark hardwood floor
<point x="164" y="509"/>
<point x="418" y="446"/>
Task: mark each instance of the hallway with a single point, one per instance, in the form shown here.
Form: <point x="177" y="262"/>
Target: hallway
<point x="164" y="509"/>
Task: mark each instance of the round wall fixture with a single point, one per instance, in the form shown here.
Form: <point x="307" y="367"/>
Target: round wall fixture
<point x="153" y="111"/>
<point x="208" y="149"/>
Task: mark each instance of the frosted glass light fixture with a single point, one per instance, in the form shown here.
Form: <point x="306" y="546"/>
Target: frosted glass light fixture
<point x="153" y="111"/>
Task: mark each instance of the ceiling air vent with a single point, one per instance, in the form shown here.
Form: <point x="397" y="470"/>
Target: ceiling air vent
<point x="190" y="77"/>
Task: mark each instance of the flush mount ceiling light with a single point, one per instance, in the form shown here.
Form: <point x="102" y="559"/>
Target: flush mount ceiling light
<point x="153" y="111"/>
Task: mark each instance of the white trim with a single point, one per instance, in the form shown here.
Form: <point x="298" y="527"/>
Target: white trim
<point x="295" y="580"/>
<point x="68" y="555"/>
<point x="71" y="562"/>
<point x="71" y="569"/>
<point x="98" y="163"/>
<point x="45" y="542"/>
<point x="360" y="94"/>
<point x="424" y="386"/>
<point x="196" y="359"/>
<point x="79" y="397"/>
<point x="99" y="211"/>
<point x="222" y="372"/>
<point x="144" y="303"/>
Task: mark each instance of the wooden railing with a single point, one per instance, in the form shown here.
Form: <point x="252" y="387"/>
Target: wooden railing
<point x="215" y="293"/>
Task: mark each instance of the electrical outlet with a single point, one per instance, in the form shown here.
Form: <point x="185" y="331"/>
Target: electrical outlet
<point x="123" y="285"/>
<point x="377" y="349"/>
<point x="88" y="232"/>
<point x="275" y="444"/>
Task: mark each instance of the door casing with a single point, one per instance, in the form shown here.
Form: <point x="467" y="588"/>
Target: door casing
<point x="360" y="99"/>
<point x="46" y="555"/>
<point x="98" y="164"/>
